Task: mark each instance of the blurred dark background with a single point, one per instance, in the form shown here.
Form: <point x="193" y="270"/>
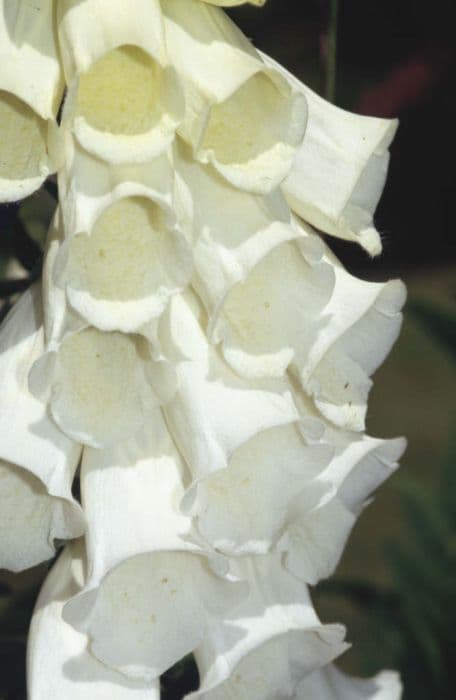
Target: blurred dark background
<point x="396" y="585"/>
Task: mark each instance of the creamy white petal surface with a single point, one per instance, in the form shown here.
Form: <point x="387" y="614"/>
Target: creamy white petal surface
<point x="102" y="385"/>
<point x="272" y="320"/>
<point x="121" y="274"/>
<point x="131" y="495"/>
<point x="332" y="684"/>
<point x="37" y="461"/>
<point x="151" y="593"/>
<point x="244" y="508"/>
<point x="226" y="249"/>
<point x="30" y="91"/>
<point x="340" y="169"/>
<point x="241" y="117"/>
<point x="31" y="519"/>
<point x="59" y="663"/>
<point x="214" y="411"/>
<point x="315" y="536"/>
<point x="269" y="643"/>
<point x="362" y="321"/>
<point x="124" y="102"/>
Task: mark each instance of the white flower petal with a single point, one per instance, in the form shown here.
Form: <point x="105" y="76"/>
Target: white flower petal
<point x="30" y="91"/>
<point x="363" y="320"/>
<point x="131" y="495"/>
<point x="340" y="169"/>
<point x="102" y="388"/>
<point x="314" y="541"/>
<point x="273" y="319"/>
<point x="332" y="684"/>
<point x="121" y="274"/>
<point x="29" y="55"/>
<point x="152" y="610"/>
<point x="31" y="519"/>
<point x="243" y="118"/>
<point x="243" y="509"/>
<point x="225" y="254"/>
<point x="214" y="411"/>
<point x="316" y="533"/>
<point x="269" y="643"/>
<point x="59" y="664"/>
<point x="124" y="103"/>
<point x="31" y="441"/>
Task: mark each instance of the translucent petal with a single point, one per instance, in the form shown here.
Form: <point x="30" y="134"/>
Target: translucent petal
<point x="244" y="508"/>
<point x="152" y="610"/>
<point x="340" y="169"/>
<point x="245" y="119"/>
<point x="273" y="319"/>
<point x="363" y="320"/>
<point x="59" y="663"/>
<point x="269" y="643"/>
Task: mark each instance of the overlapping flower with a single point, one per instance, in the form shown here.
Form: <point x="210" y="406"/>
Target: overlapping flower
<point x="194" y="351"/>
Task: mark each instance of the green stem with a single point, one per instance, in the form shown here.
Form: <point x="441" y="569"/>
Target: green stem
<point x="331" y="61"/>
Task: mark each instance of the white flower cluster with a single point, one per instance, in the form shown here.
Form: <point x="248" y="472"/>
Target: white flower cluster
<point x="195" y="350"/>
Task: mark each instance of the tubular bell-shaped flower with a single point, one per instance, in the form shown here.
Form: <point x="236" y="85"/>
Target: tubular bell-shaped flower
<point x="245" y="119"/>
<point x="59" y="664"/>
<point x="147" y="582"/>
<point x="31" y="87"/>
<point x="37" y="462"/>
<point x="269" y="642"/>
<point x="340" y="169"/>
<point x="124" y="100"/>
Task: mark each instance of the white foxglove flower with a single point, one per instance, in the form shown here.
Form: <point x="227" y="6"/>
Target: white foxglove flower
<point x="37" y="462"/>
<point x="269" y="642"/>
<point x="285" y="315"/>
<point x="225" y="254"/>
<point x="314" y="538"/>
<point x="151" y="593"/>
<point x="244" y="119"/>
<point x="332" y="684"/>
<point x="122" y="255"/>
<point x="101" y="387"/>
<point x="59" y="663"/>
<point x="340" y="169"/>
<point x="272" y="319"/>
<point x="213" y="411"/>
<point x="124" y="100"/>
<point x="31" y="87"/>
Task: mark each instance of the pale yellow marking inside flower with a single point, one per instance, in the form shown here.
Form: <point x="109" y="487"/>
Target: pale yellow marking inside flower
<point x="122" y="258"/>
<point x="258" y="308"/>
<point x="98" y="371"/>
<point x="22" y="139"/>
<point x="120" y="94"/>
<point x="249" y="123"/>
